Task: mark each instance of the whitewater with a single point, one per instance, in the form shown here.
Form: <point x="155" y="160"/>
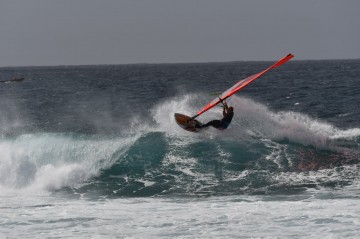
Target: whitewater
<point x="94" y="152"/>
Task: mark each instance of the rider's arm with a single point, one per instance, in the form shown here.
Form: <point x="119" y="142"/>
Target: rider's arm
<point x="225" y="110"/>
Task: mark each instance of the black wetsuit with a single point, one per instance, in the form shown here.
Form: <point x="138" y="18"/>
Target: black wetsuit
<point x="221" y="124"/>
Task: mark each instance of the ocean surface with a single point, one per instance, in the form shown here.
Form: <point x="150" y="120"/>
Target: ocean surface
<point x="94" y="152"/>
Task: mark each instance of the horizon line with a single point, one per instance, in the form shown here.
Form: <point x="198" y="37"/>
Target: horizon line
<point x="169" y="63"/>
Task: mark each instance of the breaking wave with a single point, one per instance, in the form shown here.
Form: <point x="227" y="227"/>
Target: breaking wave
<point x="262" y="152"/>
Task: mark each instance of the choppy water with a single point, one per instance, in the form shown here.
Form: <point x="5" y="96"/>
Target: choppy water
<point x="94" y="151"/>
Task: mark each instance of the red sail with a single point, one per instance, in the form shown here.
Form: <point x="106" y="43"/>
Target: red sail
<point x="242" y="84"/>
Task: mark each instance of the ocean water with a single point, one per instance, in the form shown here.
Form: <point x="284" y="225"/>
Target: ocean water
<point x="94" y="152"/>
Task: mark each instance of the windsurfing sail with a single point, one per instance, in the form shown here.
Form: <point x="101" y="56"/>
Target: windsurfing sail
<point x="240" y="85"/>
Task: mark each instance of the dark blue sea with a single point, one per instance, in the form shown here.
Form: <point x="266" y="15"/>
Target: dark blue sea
<point x="95" y="152"/>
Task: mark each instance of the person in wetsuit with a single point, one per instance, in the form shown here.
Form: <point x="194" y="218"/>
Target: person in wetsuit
<point x="222" y="124"/>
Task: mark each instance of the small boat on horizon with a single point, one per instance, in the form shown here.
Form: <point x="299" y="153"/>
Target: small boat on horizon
<point x="13" y="79"/>
<point x="17" y="78"/>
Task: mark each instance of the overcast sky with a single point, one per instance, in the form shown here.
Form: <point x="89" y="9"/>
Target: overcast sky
<point x="72" y="32"/>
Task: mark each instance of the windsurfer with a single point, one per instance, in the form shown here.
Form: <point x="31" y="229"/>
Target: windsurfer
<point x="228" y="113"/>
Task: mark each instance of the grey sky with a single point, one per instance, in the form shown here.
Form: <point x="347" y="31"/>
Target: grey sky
<point x="71" y="32"/>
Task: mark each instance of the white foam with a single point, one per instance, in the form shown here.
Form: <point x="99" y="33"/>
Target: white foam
<point x="296" y="127"/>
<point x="251" y="119"/>
<point x="36" y="162"/>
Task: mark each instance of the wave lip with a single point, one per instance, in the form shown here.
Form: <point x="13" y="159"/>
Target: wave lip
<point x="49" y="161"/>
